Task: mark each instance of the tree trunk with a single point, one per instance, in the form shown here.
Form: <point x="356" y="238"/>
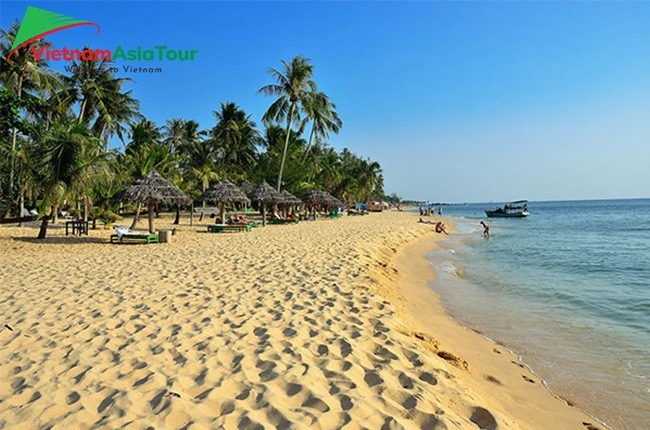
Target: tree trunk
<point x="178" y="214"/>
<point x="55" y="214"/>
<point x="83" y="109"/>
<point x="14" y="137"/>
<point x="136" y="218"/>
<point x="311" y="135"/>
<point x="85" y="198"/>
<point x="43" y="230"/>
<point x="192" y="215"/>
<point x="21" y="204"/>
<point x="222" y="212"/>
<point x="151" y="206"/>
<point x="286" y="145"/>
<point x="263" y="214"/>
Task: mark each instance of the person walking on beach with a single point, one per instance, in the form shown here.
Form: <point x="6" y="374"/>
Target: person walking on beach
<point x="486" y="230"/>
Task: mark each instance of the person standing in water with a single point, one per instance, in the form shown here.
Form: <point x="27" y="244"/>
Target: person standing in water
<point x="440" y="211"/>
<point x="486" y="230"/>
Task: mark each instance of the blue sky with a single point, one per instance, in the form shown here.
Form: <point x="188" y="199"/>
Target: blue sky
<point x="459" y="102"/>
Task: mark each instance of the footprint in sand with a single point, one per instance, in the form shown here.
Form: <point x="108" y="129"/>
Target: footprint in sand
<point x="73" y="398"/>
<point x="483" y="418"/>
<point x="405" y="381"/>
<point x="429" y="378"/>
<point x="346" y="403"/>
<point x="527" y="379"/>
<point x="493" y="379"/>
<point x="372" y="378"/>
<point x="316" y="403"/>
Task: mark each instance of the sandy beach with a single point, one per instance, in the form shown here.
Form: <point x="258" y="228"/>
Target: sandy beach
<point x="320" y="324"/>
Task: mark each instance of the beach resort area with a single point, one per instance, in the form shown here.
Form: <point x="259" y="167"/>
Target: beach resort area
<point x="324" y="215"/>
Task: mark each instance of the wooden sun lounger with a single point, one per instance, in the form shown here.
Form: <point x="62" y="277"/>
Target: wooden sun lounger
<point x="134" y="238"/>
<point x="283" y="221"/>
<point x="251" y="223"/>
<point x="221" y="228"/>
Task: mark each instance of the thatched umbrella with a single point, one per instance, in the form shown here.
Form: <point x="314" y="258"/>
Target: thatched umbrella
<point x="290" y="199"/>
<point x="246" y="187"/>
<point x="265" y="194"/>
<point x="151" y="189"/>
<point x="224" y="192"/>
<point x="332" y="201"/>
<point x="316" y="197"/>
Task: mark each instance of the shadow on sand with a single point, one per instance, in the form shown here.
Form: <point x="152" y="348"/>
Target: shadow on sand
<point x="58" y="240"/>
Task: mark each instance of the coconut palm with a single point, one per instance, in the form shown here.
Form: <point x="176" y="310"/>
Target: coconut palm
<point x="236" y="139"/>
<point x="174" y="133"/>
<point x="141" y="134"/>
<point x="101" y="96"/>
<point x="294" y="87"/>
<point x="25" y="73"/>
<point x="67" y="160"/>
<point x="323" y="116"/>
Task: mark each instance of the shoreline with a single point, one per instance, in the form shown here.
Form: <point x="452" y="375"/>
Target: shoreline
<point x="420" y="306"/>
<point x="304" y="324"/>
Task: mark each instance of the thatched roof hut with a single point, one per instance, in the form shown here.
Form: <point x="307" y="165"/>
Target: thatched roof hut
<point x="224" y="192"/>
<point x="152" y="188"/>
<point x="316" y="197"/>
<point x="333" y="201"/>
<point x="265" y="194"/>
<point x="246" y="187"/>
<point x="290" y="199"/>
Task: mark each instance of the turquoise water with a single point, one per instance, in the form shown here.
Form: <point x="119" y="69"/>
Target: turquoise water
<point x="568" y="289"/>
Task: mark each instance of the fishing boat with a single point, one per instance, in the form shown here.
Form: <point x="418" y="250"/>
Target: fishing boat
<point x="518" y="209"/>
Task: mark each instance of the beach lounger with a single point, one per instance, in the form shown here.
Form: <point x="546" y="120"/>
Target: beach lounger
<point x="250" y="223"/>
<point x="223" y="228"/>
<point x="283" y="221"/>
<point x="125" y="235"/>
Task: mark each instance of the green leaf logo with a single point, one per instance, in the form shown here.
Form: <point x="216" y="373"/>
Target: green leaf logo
<point x="38" y="23"/>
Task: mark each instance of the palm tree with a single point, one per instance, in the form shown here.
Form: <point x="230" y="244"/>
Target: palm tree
<point x="100" y="93"/>
<point x="174" y="133"/>
<point x="142" y="134"/>
<point x="324" y="119"/>
<point x="145" y="152"/>
<point x="67" y="161"/>
<point x="294" y="87"/>
<point x="25" y="73"/>
<point x="236" y="139"/>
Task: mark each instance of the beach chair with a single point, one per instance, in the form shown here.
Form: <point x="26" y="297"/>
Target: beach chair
<point x="248" y="222"/>
<point x="224" y="228"/>
<point x="125" y="235"/>
<point x="335" y="214"/>
<point x="283" y="221"/>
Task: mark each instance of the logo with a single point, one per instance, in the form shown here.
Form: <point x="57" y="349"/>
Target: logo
<point x="38" y="23"/>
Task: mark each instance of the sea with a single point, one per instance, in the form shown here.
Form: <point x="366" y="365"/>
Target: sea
<point x="567" y="289"/>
